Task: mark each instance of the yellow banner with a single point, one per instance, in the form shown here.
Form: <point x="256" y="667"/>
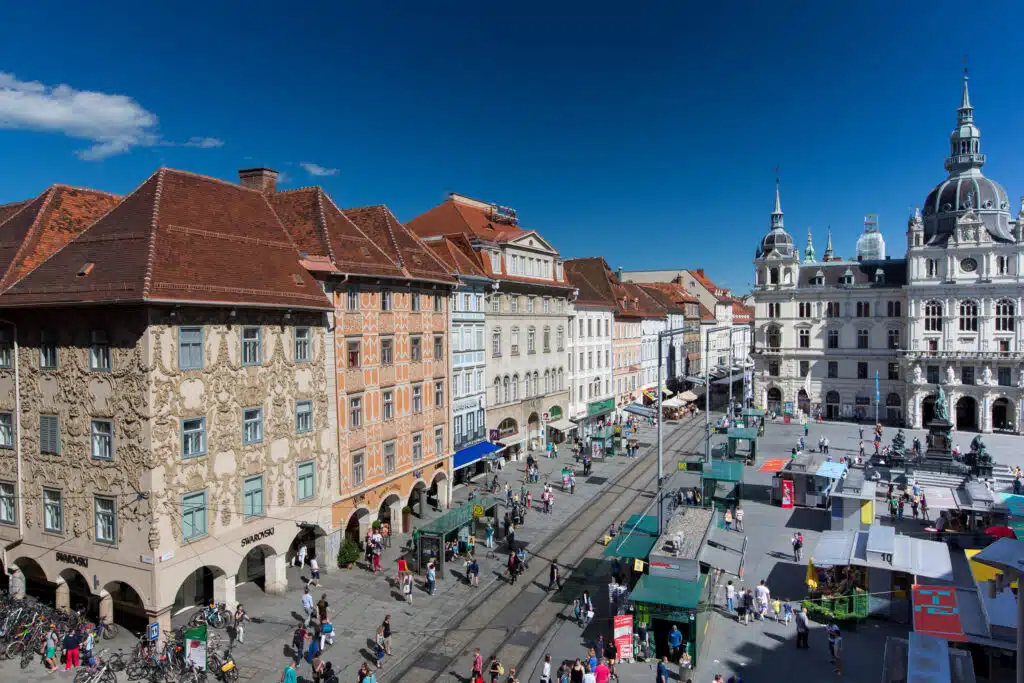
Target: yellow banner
<point x="638" y="565"/>
<point x="812" y="576"/>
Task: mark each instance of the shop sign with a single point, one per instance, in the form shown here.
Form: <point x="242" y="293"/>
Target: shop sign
<point x="76" y="560"/>
<point x="598" y="407"/>
<point x="787" y="493"/>
<point x="623" y="634"/>
<point x="492" y="435"/>
<point x="936" y="612"/>
<point x="478" y="510"/>
<point x="259" y="536"/>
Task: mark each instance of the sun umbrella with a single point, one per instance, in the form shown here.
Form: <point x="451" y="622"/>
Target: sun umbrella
<point x="1000" y="532"/>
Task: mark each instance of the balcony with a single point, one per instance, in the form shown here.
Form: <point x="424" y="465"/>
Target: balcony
<point x="1008" y="356"/>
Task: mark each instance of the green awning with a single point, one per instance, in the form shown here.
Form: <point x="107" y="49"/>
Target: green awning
<point x="754" y="412"/>
<point x="724" y="470"/>
<point x="604" y="433"/>
<point x="647" y="524"/>
<point x="659" y="590"/>
<point x="748" y="433"/>
<point x="636" y="546"/>
<point x="460" y="516"/>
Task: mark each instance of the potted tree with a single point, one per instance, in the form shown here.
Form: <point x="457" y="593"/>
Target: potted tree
<point x="348" y="554"/>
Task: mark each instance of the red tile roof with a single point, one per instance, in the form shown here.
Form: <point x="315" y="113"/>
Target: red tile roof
<point x="704" y="280"/>
<point x="457" y="254"/>
<point x="178" y="238"/>
<point x="593" y="278"/>
<point x="44" y="225"/>
<point x="8" y="210"/>
<point x="416" y="259"/>
<point x="329" y="237"/>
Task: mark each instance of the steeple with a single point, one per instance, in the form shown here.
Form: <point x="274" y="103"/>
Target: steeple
<point x="809" y="251"/>
<point x="828" y="246"/>
<point x="965" y="141"/>
<point x="777" y="211"/>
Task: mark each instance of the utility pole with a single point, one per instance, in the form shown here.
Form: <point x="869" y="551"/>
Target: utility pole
<point x="667" y="334"/>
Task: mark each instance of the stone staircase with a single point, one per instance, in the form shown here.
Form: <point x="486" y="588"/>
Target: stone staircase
<point x="1002" y="478"/>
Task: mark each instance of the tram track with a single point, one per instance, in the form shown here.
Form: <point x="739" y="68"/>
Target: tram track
<point x="490" y="620"/>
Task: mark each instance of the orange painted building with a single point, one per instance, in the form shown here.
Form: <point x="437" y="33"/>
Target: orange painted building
<point x="390" y="327"/>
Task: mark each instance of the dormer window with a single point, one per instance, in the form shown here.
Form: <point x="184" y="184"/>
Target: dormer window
<point x="818" y="279"/>
<point x="848" y="277"/>
<point x="879" y="276"/>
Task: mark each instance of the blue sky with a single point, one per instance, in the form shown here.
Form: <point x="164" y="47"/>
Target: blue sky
<point x="650" y="138"/>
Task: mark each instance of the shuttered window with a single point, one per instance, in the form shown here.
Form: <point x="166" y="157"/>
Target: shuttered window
<point x="49" y="434"/>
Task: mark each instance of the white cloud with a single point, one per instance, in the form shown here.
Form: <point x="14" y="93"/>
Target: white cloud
<point x="317" y="170"/>
<point x="114" y="124"/>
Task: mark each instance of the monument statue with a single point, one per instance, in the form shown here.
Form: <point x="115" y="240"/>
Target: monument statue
<point x="940" y="405"/>
<point x="979" y="452"/>
<point x="899" y="444"/>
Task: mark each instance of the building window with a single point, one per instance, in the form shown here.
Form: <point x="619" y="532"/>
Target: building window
<point x="389" y="405"/>
<point x="832" y="309"/>
<point x="863" y="309"/>
<point x="437" y="303"/>
<point x="53" y="511"/>
<point x="438" y="394"/>
<point x="389" y="457"/>
<point x="358" y="469"/>
<point x="49" y="434"/>
<point x="106" y="520"/>
<point x="417" y="447"/>
<point x="193" y="437"/>
<point x="546" y="339"/>
<point x="6" y="347"/>
<point x="1004" y="315"/>
<point x="102" y="440"/>
<point x="515" y="341"/>
<point x="438" y="441"/>
<point x="47" y="350"/>
<point x="894" y="339"/>
<point x="968" y="316"/>
<point x="894" y="371"/>
<point x="352" y="299"/>
<point x="252" y="353"/>
<point x="804" y="309"/>
<point x="967" y="374"/>
<point x="895" y="309"/>
<point x="1002" y="265"/>
<point x="547" y="305"/>
<point x="513" y="301"/>
<point x="417" y="398"/>
<point x="193" y="515"/>
<point x="529" y="304"/>
<point x="773" y="368"/>
<point x="932" y="372"/>
<point x="560" y="338"/>
<point x="7" y="501"/>
<point x="355" y="412"/>
<point x="932" y="267"/>
<point x="933" y="345"/>
<point x="190" y="348"/>
<point x="833" y="369"/>
<point x="352" y="348"/>
<point x="496" y="342"/>
<point x="933" y="316"/>
<point x="303" y="340"/>
<point x="774" y="310"/>
<point x="862" y="339"/>
<point x="438" y="347"/>
<point x="252" y="425"/>
<point x="303" y="417"/>
<point x="99" y="351"/>
<point x="415" y="302"/>
<point x="1004" y="377"/>
<point x="774" y="338"/>
<point x="252" y="497"/>
<point x="833" y="339"/>
<point x="531" y="340"/>
<point x="6" y="430"/>
<point x="804" y="337"/>
<point x="305" y="480"/>
<point x="415" y="349"/>
<point x="387" y="351"/>
<point x="805" y="368"/>
<point x="862" y="370"/>
<point x="385" y="299"/>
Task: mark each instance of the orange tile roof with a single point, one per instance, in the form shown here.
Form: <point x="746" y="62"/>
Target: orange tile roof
<point x="593" y="278"/>
<point x="416" y="259"/>
<point x="177" y="238"/>
<point x="44" y="225"/>
<point x="457" y="254"/>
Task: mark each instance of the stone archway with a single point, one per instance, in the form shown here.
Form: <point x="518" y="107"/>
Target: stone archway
<point x="775" y="400"/>
<point x="358" y="525"/>
<point x="418" y="498"/>
<point x="967" y="414"/>
<point x="253" y="567"/>
<point x="73" y="592"/>
<point x="534" y="434"/>
<point x="201" y="586"/>
<point x="390" y="511"/>
<point x="30" y="579"/>
<point x="439" y="488"/>
<point x="803" y="402"/>
<point x="1003" y="418"/>
<point x="122" y="604"/>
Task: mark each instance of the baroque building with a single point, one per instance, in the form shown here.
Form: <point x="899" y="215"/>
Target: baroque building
<point x="164" y="397"/>
<point x="527" y="315"/>
<point x="950" y="312"/>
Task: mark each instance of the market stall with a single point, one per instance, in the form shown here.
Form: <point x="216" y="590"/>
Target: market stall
<point x="813" y="477"/>
<point x="462" y="525"/>
<point x="853" y="502"/>
<point x="602" y="441"/>
<point x="722" y="483"/>
<point x="659" y="602"/>
<point x="742" y="443"/>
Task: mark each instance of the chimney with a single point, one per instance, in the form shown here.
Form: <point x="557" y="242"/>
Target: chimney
<point x="619" y="273"/>
<point x="260" y="179"/>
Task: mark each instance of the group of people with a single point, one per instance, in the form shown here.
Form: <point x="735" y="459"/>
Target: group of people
<point x="915" y="497"/>
<point x="734" y="518"/>
<point x="377" y="538"/>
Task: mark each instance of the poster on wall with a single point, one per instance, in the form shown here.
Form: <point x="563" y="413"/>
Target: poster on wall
<point x="787" y="493"/>
<point x="623" y="634"/>
<point x="195" y="647"/>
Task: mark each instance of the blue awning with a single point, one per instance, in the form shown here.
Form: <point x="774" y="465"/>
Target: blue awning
<point x="831" y="470"/>
<point x="638" y="409"/>
<point x="471" y="454"/>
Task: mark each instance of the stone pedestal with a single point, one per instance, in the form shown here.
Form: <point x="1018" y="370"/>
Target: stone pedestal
<point x="940" y="446"/>
<point x="63" y="596"/>
<point x="275" y="576"/>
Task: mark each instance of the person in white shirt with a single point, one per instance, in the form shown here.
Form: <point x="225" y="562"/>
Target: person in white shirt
<point x="730" y="597"/>
<point x="738" y="517"/>
<point x="545" y="674"/>
<point x="763" y="595"/>
<point x="314" y="572"/>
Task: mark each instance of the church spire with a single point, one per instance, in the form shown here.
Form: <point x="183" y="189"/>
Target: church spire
<point x="809" y="251"/>
<point x="828" y="246"/>
<point x="965" y="141"/>
<point x="777" y="214"/>
<point x="966" y="112"/>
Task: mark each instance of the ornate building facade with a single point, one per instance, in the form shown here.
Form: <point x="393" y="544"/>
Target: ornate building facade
<point x="949" y="312"/>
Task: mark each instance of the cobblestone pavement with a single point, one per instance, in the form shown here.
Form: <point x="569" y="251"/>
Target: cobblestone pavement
<point x="359" y="600"/>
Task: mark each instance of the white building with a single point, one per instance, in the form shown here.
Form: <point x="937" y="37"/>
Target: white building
<point x="950" y="312"/>
<point x="591" y="396"/>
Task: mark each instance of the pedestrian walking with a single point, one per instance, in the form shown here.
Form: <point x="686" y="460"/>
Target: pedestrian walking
<point x="431" y="577"/>
<point x="50" y="656"/>
<point x="321" y="607"/>
<point x="545" y="674"/>
<point x="675" y="640"/>
<point x="307" y="606"/>
<point x="378" y="646"/>
<point x="795" y="543"/>
<point x="748" y="606"/>
<point x="298" y="642"/>
<point x="803" y="629"/>
<point x="314" y="571"/>
<point x="478" y="664"/>
<point x="739" y="518"/>
<point x="240" y="618"/>
<point x="495" y="669"/>
<point x="288" y="675"/>
<point x="473" y="571"/>
<point x="924" y="507"/>
<point x="826" y="445"/>
<point x="730" y="597"/>
<point x="553" y="578"/>
<point x="763" y="598"/>
<point x="385" y="628"/>
<point x="407" y="588"/>
<point x="837" y="651"/>
<point x="728" y="519"/>
<point x="326" y="632"/>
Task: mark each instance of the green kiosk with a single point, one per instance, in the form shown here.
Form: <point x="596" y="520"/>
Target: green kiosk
<point x="722" y="483"/>
<point x="742" y="443"/>
<point x="753" y="417"/>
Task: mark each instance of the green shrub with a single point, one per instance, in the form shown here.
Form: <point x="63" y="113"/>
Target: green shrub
<point x="349" y="553"/>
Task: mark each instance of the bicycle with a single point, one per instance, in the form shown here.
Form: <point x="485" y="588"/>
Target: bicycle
<point x="100" y="672"/>
<point x="223" y="669"/>
<point x="108" y="630"/>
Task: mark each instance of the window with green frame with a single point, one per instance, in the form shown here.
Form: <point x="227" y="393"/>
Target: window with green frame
<point x="305" y="480"/>
<point x="193" y="515"/>
<point x="252" y="497"/>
